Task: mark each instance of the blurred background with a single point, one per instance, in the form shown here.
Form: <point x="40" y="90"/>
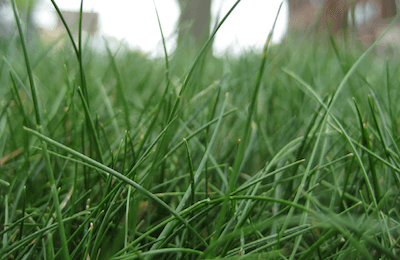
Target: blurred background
<point x="134" y="22"/>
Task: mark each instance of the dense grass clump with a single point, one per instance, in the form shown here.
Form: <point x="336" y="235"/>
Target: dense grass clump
<point x="291" y="153"/>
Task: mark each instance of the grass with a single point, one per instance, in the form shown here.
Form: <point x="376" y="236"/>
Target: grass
<point x="291" y="153"/>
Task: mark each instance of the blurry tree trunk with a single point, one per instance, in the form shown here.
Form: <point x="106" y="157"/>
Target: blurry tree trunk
<point x="388" y="8"/>
<point x="298" y="4"/>
<point x="334" y="15"/>
<point x="331" y="16"/>
<point x="301" y="13"/>
<point x="328" y="14"/>
<point x="194" y="24"/>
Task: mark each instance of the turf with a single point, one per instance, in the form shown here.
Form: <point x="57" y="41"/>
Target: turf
<point x="288" y="153"/>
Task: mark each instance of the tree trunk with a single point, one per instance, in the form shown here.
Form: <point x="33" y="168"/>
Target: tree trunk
<point x="388" y="8"/>
<point x="194" y="24"/>
<point x="301" y="15"/>
<point x="334" y="15"/>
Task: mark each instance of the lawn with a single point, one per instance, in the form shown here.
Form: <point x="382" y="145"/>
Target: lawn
<point x="289" y="153"/>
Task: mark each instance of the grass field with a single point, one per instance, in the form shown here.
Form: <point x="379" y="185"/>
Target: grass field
<point x="291" y="153"/>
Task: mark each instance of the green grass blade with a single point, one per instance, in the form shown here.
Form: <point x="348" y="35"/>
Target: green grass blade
<point x="198" y="171"/>
<point x="28" y="67"/>
<point x="197" y="60"/>
<point x="56" y="202"/>
<point x="192" y="182"/>
<point x="246" y="135"/>
<point x="44" y="146"/>
<point x="115" y="174"/>
<point x="367" y="143"/>
<point x="66" y="28"/>
<point x="92" y="125"/>
<point x="120" y="86"/>
<point x="163" y="97"/>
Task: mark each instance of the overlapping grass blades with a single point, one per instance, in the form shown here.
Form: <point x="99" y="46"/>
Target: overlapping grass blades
<point x="161" y="175"/>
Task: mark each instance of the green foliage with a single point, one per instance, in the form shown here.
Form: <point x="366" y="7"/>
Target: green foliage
<point x="155" y="162"/>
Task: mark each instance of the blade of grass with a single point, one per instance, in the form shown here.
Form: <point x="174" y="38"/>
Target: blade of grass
<point x="198" y="171"/>
<point x="109" y="107"/>
<point x="6" y="223"/>
<point x="168" y="81"/>
<point x="265" y="176"/>
<point x="308" y="89"/>
<point x="115" y="174"/>
<point x="35" y="236"/>
<point x="341" y="129"/>
<point x="328" y="113"/>
<point x="192" y="182"/>
<point x="199" y="130"/>
<point x="66" y="28"/>
<point x="246" y="135"/>
<point x="17" y="80"/>
<point x="92" y="125"/>
<point x="83" y="80"/>
<point x="378" y="127"/>
<point x="28" y="67"/>
<point x="196" y="62"/>
<point x="78" y="51"/>
<point x="389" y="98"/>
<point x="103" y="225"/>
<point x="120" y="85"/>
<point x="44" y="145"/>
<point x="367" y="143"/>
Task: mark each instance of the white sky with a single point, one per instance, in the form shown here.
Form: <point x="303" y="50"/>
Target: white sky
<point x="135" y="22"/>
